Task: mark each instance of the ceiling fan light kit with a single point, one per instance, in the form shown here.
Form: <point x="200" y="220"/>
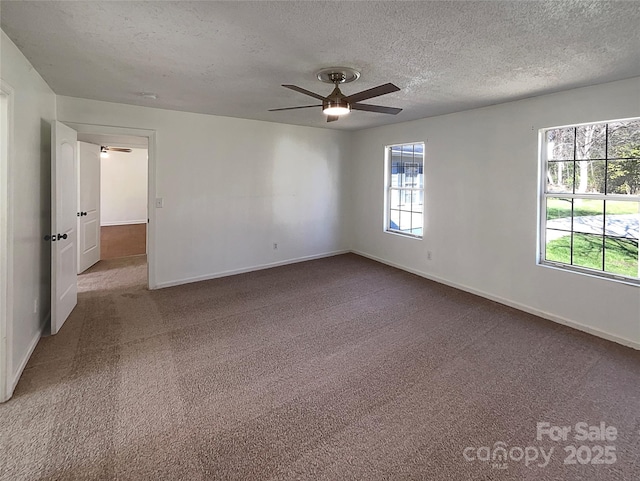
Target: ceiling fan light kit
<point x="336" y="104"/>
<point x="335" y="108"/>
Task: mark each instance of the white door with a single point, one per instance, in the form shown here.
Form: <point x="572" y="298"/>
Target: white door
<point x="64" y="274"/>
<point x="88" y="205"/>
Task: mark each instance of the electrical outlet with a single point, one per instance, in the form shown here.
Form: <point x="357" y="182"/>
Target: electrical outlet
<point x="428" y="255"/>
<point x="275" y="246"/>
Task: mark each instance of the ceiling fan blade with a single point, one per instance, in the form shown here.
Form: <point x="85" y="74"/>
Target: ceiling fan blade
<point x="303" y="91"/>
<point x="373" y="92"/>
<point x="332" y="118"/>
<point x="119" y="149"/>
<point x="376" y="108"/>
<point x="294" y="108"/>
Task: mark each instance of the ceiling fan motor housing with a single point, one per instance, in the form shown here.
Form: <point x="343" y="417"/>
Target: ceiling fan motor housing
<point x="336" y="99"/>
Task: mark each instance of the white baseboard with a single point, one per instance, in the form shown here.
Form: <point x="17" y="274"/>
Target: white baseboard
<point x="123" y="222"/>
<point x="516" y="305"/>
<point x="27" y="356"/>
<point x="243" y="270"/>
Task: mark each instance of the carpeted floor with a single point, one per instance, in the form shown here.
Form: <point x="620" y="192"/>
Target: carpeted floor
<point x="340" y="368"/>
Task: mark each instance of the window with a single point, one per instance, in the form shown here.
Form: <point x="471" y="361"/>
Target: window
<point x="404" y="179"/>
<point x="590" y="201"/>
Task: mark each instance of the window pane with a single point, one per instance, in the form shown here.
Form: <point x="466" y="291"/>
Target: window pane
<point x="419" y="160"/>
<point x="394" y="199"/>
<point x="621" y="256"/>
<point x="624" y="139"/>
<point x="590" y="177"/>
<point x="560" y="177"/>
<point x="622" y="219"/>
<point x="587" y="251"/>
<point x="416" y="223"/>
<point x="591" y="141"/>
<point x="588" y="216"/>
<point x="558" y="246"/>
<point x="560" y="144"/>
<point x="410" y="174"/>
<point x="394" y="219"/>
<point x="416" y="205"/>
<point x="405" y="221"/>
<point x="405" y="199"/>
<point x="396" y="172"/>
<point x="623" y="177"/>
<point x="558" y="208"/>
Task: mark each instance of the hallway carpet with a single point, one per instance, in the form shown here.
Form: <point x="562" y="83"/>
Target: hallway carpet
<point x="339" y="368"/>
<point x="123" y="240"/>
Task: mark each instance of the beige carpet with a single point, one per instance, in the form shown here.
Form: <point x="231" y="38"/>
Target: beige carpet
<point x="334" y="369"/>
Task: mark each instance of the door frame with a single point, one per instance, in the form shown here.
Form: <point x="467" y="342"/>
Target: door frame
<point x="151" y="183"/>
<point x="6" y="240"/>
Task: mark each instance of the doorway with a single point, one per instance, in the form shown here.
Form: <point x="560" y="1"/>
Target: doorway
<point x="120" y="229"/>
<point x="65" y="215"/>
<point x="137" y="236"/>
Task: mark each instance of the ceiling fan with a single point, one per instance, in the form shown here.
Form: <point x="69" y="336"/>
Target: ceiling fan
<point x="336" y="103"/>
<point x="105" y="149"/>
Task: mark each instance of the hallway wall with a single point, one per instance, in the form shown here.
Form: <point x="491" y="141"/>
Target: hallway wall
<point x="29" y="202"/>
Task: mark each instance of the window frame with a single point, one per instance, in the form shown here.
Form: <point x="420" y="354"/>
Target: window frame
<point x="543" y="195"/>
<point x="388" y="188"/>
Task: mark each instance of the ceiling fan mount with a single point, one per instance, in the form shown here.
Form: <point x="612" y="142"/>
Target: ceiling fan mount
<point x="342" y="75"/>
<point x="336" y="103"/>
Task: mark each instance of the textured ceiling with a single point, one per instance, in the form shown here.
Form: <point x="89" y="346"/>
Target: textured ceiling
<point x="229" y="58"/>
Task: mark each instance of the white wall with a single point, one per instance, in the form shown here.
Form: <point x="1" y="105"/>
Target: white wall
<point x="481" y="174"/>
<point x="232" y="188"/>
<point x="123" y="188"/>
<point x="29" y="200"/>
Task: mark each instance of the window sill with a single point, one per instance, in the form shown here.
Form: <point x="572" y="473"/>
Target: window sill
<point x="402" y="234"/>
<point x="590" y="273"/>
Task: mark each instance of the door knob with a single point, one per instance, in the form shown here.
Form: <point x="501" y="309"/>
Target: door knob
<point x="54" y="237"/>
<point x="84" y="213"/>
